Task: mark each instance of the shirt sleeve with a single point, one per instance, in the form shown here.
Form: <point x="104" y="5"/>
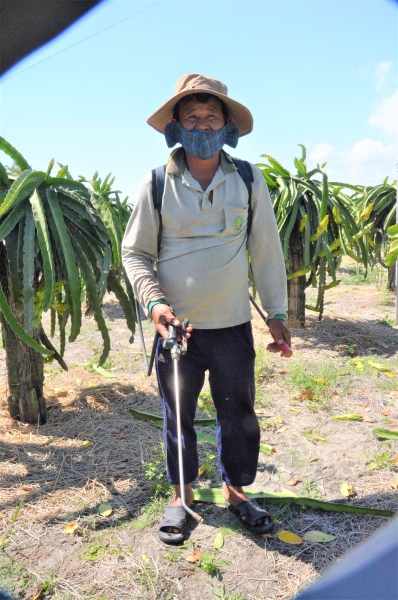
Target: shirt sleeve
<point x="266" y="254"/>
<point x="140" y="246"/>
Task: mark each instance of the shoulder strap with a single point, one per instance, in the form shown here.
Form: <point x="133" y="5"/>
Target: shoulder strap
<point x="158" y="176"/>
<point x="246" y="172"/>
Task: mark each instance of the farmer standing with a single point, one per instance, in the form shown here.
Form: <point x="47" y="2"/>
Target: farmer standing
<point x="202" y="272"/>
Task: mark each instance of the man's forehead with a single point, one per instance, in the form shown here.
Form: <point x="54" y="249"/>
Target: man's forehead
<point x="191" y="105"/>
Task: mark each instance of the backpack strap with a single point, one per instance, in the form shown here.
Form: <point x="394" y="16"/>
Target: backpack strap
<point x="246" y="172"/>
<point x="158" y="176"/>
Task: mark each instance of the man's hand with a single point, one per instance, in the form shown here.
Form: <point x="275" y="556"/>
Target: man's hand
<point x="281" y="334"/>
<point x="163" y="317"/>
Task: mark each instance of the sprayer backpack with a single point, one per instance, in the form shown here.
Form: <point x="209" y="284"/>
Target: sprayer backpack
<point x="158" y="175"/>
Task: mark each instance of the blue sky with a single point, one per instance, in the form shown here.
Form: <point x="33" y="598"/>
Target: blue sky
<point x="318" y="72"/>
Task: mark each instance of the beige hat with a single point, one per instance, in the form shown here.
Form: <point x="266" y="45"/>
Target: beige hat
<point x="194" y="83"/>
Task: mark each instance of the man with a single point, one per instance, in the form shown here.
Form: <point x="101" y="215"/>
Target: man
<point x="202" y="272"/>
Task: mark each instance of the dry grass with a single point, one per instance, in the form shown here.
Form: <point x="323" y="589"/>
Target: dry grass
<point x="61" y="480"/>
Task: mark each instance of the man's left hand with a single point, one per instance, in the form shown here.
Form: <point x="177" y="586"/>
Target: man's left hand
<point x="281" y="334"/>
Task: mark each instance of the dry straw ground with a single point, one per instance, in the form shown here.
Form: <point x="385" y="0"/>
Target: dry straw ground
<point x="62" y="479"/>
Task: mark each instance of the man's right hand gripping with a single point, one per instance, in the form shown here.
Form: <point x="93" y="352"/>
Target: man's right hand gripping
<point x="163" y="317"/>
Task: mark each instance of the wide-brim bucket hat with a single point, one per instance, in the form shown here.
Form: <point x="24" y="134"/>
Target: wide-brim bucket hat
<point x="195" y="83"/>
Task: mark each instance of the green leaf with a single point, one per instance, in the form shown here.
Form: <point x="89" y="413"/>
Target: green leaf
<point x="266" y="449"/>
<point x="4" y="176"/>
<point x="69" y="258"/>
<point x="45" y="247"/>
<point x="29" y="271"/>
<point x="218" y="541"/>
<point x="17" y="328"/>
<point x="13" y="154"/>
<point x="318" y="537"/>
<point x="215" y="496"/>
<point x="22" y="187"/>
<point x="124" y="301"/>
<point x="299" y="273"/>
<point x="386" y="434"/>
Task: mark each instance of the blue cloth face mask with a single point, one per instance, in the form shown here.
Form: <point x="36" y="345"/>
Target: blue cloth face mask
<point x="199" y="143"/>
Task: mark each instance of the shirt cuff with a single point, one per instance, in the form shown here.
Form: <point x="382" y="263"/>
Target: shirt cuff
<point x="283" y="317"/>
<point x="153" y="302"/>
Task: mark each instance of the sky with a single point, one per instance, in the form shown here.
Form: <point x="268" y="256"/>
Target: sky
<point x="322" y="73"/>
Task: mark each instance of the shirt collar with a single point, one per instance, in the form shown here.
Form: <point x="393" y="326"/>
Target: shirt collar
<point x="176" y="164"/>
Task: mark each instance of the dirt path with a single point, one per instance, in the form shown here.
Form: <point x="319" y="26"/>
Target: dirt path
<point x="93" y="451"/>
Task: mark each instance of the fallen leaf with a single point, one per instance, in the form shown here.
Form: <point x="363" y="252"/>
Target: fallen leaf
<point x="282" y="429"/>
<point x="289" y="537"/>
<point x="87" y="443"/>
<point x="378" y="366"/>
<point x="305" y="395"/>
<point x="386" y="412"/>
<point x="145" y="558"/>
<point x="218" y="541"/>
<point x="105" y="510"/>
<point x="294" y="481"/>
<point x="336" y="397"/>
<point x="365" y="404"/>
<point x="38" y="595"/>
<point x="394" y="459"/>
<point x="347" y="490"/>
<point x="295" y="410"/>
<point x="282" y="372"/>
<point x="320" y="380"/>
<point x="296" y="434"/>
<point x="318" y="438"/>
<point x="394" y="393"/>
<point x="367" y="419"/>
<point x="394" y="485"/>
<point x="390" y="375"/>
<point x="192" y="558"/>
<point x="313" y="459"/>
<point x="347" y="417"/>
<point x="318" y="536"/>
<point x="27" y="488"/>
<point x="61" y="393"/>
<point x="71" y="528"/>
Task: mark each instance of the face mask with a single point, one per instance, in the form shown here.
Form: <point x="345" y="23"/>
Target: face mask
<point x="202" y="144"/>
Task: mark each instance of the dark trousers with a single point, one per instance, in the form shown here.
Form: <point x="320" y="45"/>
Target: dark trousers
<point x="228" y="354"/>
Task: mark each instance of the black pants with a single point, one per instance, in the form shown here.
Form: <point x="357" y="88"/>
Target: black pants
<point x="228" y="354"/>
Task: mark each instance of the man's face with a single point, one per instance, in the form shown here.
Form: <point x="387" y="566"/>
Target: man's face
<point x="209" y="116"/>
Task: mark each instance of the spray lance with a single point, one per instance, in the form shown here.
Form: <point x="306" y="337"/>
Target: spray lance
<point x="177" y="350"/>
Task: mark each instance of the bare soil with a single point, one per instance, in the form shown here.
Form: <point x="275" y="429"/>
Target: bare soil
<point x="92" y="450"/>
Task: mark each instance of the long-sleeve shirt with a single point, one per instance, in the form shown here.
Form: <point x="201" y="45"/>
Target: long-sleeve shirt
<point x="202" y="266"/>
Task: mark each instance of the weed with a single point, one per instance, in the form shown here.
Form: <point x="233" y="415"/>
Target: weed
<point x="13" y="576"/>
<point x="207" y="468"/>
<point x="150" y="513"/>
<point x="205" y="403"/>
<point x="311" y="434"/>
<point x="311" y="488"/>
<point x="355" y="275"/>
<point x="295" y="460"/>
<point x="387" y="298"/>
<point x="224" y="595"/>
<point x="383" y="459"/>
<point x="210" y="566"/>
<point x="284" y="513"/>
<point x="314" y="383"/>
<point x="49" y="584"/>
<point x="386" y="322"/>
<point x="4" y="539"/>
<point x="96" y="550"/>
<point x="230" y="530"/>
<point x="155" y="471"/>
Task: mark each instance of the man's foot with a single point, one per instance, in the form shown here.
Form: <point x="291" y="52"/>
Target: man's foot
<point x="177" y="523"/>
<point x="249" y="512"/>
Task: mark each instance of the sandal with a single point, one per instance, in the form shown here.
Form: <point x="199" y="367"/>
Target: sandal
<point x="174" y="517"/>
<point x="252" y="513"/>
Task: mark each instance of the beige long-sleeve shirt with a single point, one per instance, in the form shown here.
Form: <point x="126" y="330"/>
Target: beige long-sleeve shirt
<point x="202" y="266"/>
